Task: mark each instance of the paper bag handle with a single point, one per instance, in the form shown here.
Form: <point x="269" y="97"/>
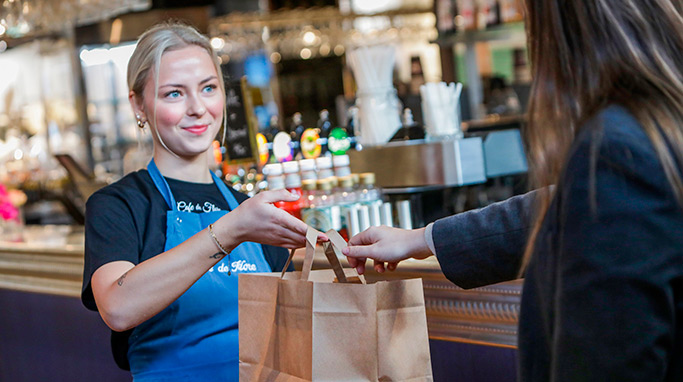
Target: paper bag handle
<point x="311" y="240"/>
<point x="332" y="252"/>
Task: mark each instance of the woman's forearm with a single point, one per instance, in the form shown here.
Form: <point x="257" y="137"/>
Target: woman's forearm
<point x="128" y="295"/>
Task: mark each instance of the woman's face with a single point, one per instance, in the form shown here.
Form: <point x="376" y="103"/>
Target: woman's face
<point x="189" y="102"/>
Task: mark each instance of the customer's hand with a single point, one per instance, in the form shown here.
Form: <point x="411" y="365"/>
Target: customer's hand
<point x="258" y="220"/>
<point x="385" y="245"/>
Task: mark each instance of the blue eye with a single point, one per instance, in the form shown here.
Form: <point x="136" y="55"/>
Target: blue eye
<point x="209" y="88"/>
<point x="172" y="94"/>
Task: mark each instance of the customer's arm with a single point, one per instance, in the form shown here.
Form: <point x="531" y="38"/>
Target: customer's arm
<point x="485" y="246"/>
<point x="474" y="248"/>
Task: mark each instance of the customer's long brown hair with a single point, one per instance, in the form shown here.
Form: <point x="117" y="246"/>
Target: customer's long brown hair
<point x="586" y="55"/>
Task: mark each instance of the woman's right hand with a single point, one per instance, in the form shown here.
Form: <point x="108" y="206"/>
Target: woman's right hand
<point x="386" y="244"/>
<point x="259" y="221"/>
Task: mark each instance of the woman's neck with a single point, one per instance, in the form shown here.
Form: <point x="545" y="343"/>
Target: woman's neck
<point x="194" y="169"/>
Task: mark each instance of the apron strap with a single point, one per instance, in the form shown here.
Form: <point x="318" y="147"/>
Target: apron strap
<point x="223" y="188"/>
<point x="161" y="184"/>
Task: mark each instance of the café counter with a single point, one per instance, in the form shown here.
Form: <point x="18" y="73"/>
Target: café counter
<point x="44" y="329"/>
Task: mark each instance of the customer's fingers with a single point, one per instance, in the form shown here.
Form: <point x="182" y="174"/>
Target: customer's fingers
<point x="358" y="251"/>
<point x="379" y="266"/>
<point x="369" y="236"/>
<point x="359" y="264"/>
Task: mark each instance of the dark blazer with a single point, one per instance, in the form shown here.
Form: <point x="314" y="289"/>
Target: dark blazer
<point x="603" y="293"/>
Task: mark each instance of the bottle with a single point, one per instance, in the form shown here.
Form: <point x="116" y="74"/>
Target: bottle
<point x="445" y="14"/>
<point x="276" y="181"/>
<point x="416" y="75"/>
<point x="307" y="168"/>
<point x="341" y="165"/>
<point x="273" y="128"/>
<point x="368" y="193"/>
<point x="510" y="11"/>
<point x="387" y="215"/>
<point x="293" y="185"/>
<point x="493" y="17"/>
<point x="488" y="13"/>
<point x="405" y="219"/>
<point x="467" y="10"/>
<point x="345" y="198"/>
<point x="334" y="183"/>
<point x="375" y="214"/>
<point x="324" y="165"/>
<point x="410" y="129"/>
<point x="356" y="181"/>
<point x="297" y="127"/>
<point x="272" y="170"/>
<point x="308" y="189"/>
<point x="324" y="125"/>
<point x="319" y="212"/>
<point x="352" y="121"/>
<point x="363" y="217"/>
<point x="291" y="167"/>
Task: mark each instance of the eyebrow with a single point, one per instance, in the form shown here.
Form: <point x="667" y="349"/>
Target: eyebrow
<point x="207" y="79"/>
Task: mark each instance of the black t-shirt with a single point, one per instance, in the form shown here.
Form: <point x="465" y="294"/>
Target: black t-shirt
<point x="127" y="221"/>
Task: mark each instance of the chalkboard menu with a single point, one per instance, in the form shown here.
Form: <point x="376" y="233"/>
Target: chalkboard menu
<point x="240" y="137"/>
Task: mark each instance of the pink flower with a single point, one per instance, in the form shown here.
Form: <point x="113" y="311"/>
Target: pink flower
<point x="8" y="211"/>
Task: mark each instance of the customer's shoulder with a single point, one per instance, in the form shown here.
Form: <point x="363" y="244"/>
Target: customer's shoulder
<point x="615" y="125"/>
<point x="615" y="143"/>
<point x="615" y="132"/>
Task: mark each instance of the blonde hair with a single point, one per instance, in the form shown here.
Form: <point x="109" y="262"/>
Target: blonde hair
<point x="152" y="44"/>
<point x="587" y="55"/>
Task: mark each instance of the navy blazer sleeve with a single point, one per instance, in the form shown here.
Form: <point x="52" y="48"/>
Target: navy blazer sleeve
<point x="484" y="246"/>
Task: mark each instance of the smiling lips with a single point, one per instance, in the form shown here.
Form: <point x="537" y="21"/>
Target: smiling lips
<point x="197" y="129"/>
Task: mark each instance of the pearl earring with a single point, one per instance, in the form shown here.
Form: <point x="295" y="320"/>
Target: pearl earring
<point x="139" y="121"/>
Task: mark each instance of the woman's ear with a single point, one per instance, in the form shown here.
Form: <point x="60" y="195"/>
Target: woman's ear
<point x="136" y="105"/>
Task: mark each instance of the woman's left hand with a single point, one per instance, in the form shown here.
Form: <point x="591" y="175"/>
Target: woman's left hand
<point x="258" y="220"/>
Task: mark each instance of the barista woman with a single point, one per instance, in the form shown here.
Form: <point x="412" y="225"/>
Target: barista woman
<point x="164" y="246"/>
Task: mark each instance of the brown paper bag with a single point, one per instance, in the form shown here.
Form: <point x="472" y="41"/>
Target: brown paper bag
<point x="304" y="326"/>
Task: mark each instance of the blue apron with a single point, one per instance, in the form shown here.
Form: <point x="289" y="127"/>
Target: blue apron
<point x="195" y="338"/>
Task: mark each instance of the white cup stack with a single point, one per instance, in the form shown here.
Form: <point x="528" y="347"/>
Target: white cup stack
<point x="441" y="109"/>
<point x="379" y="110"/>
